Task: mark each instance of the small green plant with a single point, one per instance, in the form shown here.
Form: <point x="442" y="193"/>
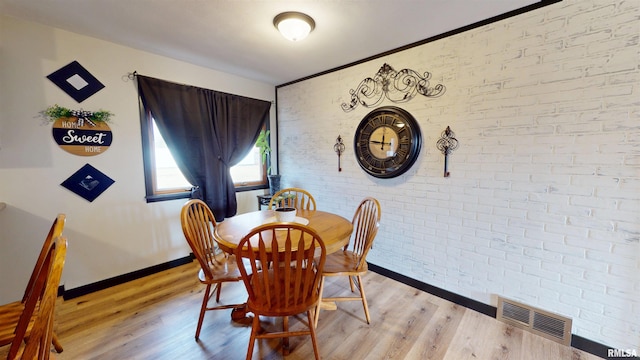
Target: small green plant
<point x="53" y="113"/>
<point x="284" y="200"/>
<point x="265" y="149"/>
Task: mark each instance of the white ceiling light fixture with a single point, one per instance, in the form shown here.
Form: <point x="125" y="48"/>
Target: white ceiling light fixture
<point x="294" y="26"/>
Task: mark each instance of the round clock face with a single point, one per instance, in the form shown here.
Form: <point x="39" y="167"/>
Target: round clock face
<point x="387" y="142"/>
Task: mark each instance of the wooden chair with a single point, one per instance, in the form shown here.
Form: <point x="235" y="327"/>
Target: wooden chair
<point x="10" y="313"/>
<point x="353" y="263"/>
<point x="302" y="200"/>
<point x="216" y="266"/>
<point x="290" y="285"/>
<point x="34" y="330"/>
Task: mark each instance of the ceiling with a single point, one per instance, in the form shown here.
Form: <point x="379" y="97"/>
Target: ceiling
<point x="238" y="36"/>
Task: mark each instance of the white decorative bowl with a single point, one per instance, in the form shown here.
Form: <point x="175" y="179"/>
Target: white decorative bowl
<point x="285" y="214"/>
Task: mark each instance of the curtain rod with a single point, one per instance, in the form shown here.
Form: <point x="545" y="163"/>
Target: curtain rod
<point x="132" y="76"/>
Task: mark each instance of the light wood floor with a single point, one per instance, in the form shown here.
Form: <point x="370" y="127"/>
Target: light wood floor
<point x="155" y="318"/>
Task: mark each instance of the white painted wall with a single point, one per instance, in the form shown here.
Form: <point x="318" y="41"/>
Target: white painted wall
<point x="542" y="205"/>
<point x="118" y="232"/>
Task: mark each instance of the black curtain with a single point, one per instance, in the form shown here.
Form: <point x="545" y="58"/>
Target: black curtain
<point x="207" y="133"/>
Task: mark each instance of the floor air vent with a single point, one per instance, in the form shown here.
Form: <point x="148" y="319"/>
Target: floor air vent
<point x="540" y="322"/>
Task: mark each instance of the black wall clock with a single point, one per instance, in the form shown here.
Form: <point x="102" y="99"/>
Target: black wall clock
<point x="387" y="142"/>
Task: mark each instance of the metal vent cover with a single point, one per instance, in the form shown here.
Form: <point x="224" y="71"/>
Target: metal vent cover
<point x="537" y="321"/>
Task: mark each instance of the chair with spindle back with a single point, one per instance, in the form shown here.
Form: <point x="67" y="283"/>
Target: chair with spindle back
<point x="33" y="332"/>
<point x="289" y="287"/>
<point x="353" y="263"/>
<point x="216" y="266"/>
<point x="298" y="198"/>
<point x="10" y="313"/>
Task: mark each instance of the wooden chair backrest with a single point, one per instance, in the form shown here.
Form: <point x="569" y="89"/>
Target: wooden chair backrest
<point x="39" y="307"/>
<point x="302" y="200"/>
<point x="293" y="276"/>
<point x="56" y="230"/>
<point x="366" y="222"/>
<point x="198" y="224"/>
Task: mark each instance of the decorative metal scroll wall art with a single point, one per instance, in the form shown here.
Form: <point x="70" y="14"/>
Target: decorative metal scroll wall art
<point x="339" y="149"/>
<point x="396" y="86"/>
<point x="446" y="144"/>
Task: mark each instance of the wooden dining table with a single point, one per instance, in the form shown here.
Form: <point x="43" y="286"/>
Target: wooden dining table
<point x="333" y="229"/>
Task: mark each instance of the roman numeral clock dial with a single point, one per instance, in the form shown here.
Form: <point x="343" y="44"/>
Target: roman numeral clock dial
<point x="387" y="142"/>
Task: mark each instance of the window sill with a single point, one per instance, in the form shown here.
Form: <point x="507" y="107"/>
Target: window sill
<point x="187" y="194"/>
<point x="165" y="197"/>
<point x="251" y="188"/>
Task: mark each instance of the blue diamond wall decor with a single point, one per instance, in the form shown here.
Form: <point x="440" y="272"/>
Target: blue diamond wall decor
<point x="88" y="182"/>
<point x="76" y="81"/>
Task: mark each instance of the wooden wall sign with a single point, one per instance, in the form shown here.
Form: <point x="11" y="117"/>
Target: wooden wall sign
<point x="82" y="137"/>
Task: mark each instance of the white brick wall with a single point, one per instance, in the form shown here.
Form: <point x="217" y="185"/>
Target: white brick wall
<point x="543" y="202"/>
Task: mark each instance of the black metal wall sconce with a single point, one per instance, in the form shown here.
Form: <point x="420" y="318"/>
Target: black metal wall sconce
<point x="446" y="144"/>
<point x="339" y="149"/>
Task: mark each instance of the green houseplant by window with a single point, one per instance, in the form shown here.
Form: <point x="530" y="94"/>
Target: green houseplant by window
<point x="265" y="152"/>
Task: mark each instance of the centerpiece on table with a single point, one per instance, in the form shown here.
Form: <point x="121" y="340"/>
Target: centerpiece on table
<point x="285" y="207"/>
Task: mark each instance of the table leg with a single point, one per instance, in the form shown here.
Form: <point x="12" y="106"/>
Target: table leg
<point x="239" y="313"/>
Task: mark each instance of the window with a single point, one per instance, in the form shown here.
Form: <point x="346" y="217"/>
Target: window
<point x="250" y="171"/>
<point x="167" y="176"/>
<point x="164" y="180"/>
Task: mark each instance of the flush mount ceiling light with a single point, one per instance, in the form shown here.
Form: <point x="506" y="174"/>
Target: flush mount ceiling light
<point x="294" y="26"/>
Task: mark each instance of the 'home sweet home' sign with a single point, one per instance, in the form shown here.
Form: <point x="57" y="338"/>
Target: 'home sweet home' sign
<point x="83" y="138"/>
